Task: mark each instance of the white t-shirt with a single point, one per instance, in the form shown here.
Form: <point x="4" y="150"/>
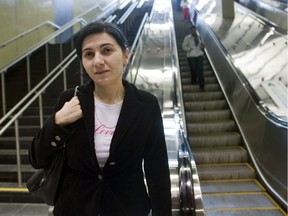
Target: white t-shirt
<point x="106" y="117"/>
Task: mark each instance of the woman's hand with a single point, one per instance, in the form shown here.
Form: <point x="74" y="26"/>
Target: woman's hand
<point x="69" y="113"/>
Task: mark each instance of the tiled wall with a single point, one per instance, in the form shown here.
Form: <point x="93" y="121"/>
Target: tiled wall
<point x="17" y="16"/>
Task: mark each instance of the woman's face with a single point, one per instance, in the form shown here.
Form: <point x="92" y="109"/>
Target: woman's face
<point x="103" y="59"/>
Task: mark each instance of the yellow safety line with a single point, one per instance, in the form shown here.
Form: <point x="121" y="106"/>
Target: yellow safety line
<point x="243" y="149"/>
<point x="241" y="209"/>
<point x="259" y="184"/>
<point x="234" y="193"/>
<point x="225" y="164"/>
<point x="3" y="189"/>
<point x="250" y="166"/>
<point x="227" y="180"/>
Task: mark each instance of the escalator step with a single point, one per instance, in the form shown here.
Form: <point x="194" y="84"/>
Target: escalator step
<point x="194" y="88"/>
<point x="211" y="127"/>
<point x="231" y="186"/>
<point x="225" y="171"/>
<point x="215" y="139"/>
<point x="241" y="212"/>
<point x="230" y="204"/>
<point x="198" y="116"/>
<point x="234" y="154"/>
<point x="205" y="105"/>
<point x="203" y="96"/>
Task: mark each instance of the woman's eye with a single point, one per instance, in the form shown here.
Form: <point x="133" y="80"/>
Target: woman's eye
<point x="88" y="54"/>
<point x="107" y="50"/>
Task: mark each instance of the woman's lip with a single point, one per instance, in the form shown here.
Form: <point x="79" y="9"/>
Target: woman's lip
<point x="101" y="72"/>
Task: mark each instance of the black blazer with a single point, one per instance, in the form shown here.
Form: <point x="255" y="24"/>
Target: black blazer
<point x="118" y="189"/>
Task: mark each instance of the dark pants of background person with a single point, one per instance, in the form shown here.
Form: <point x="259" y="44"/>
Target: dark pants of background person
<point x="196" y="69"/>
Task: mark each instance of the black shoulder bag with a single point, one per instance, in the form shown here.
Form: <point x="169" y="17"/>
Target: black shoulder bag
<point x="45" y="183"/>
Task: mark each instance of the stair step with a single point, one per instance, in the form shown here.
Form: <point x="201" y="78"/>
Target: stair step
<point x="215" y="139"/>
<point x="9" y="142"/>
<point x="205" y="105"/>
<point x="194" y="88"/>
<point x="234" y="154"/>
<point x="203" y="96"/>
<point x="231" y="186"/>
<point x="255" y="202"/>
<point x="185" y="72"/>
<point x="225" y="171"/>
<point x="9" y="156"/>
<point x="208" y="80"/>
<point x="246" y="212"/>
<point x="211" y="127"/>
<point x="30" y="130"/>
<point x="8" y="172"/>
<point x="198" y="116"/>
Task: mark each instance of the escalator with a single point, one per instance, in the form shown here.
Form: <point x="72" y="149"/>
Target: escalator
<point x="229" y="182"/>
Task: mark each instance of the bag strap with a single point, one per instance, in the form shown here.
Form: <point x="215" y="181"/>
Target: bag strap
<point x="65" y="144"/>
<point x="76" y="90"/>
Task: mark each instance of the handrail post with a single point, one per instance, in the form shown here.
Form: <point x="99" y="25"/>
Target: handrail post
<point x="47" y="57"/>
<point x="61" y="51"/>
<point x="28" y="73"/>
<point x="41" y="110"/>
<point x="72" y="43"/>
<point x="3" y="93"/>
<point x="18" y="157"/>
<point x="65" y="79"/>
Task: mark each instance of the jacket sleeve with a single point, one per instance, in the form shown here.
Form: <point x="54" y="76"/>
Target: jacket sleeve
<point x="157" y="169"/>
<point x="50" y="138"/>
<point x="185" y="45"/>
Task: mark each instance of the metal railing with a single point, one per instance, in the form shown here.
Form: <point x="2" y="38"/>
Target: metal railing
<point x="131" y="57"/>
<point x="45" y="42"/>
<point x="186" y="184"/>
<point x="23" y="34"/>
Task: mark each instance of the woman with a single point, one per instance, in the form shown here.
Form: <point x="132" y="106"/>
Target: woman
<point x="184" y="4"/>
<point x="110" y="128"/>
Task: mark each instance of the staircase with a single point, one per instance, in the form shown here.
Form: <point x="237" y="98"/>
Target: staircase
<point x="228" y="181"/>
<point x="29" y="123"/>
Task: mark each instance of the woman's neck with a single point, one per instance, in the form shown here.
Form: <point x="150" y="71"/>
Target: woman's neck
<point x="110" y="95"/>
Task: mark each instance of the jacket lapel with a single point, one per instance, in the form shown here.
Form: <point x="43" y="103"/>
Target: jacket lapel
<point x="86" y="99"/>
<point x="127" y="115"/>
